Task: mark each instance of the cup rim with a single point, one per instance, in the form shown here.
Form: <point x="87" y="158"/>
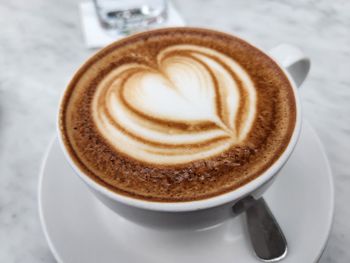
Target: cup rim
<point x="221" y="199"/>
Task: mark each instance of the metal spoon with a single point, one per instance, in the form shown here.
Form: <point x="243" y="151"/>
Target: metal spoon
<point x="266" y="236"/>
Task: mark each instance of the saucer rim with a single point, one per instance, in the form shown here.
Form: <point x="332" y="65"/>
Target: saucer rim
<point x="40" y="200"/>
<point x="331" y="188"/>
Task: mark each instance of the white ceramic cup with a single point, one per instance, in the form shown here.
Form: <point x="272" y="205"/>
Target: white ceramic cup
<point x="215" y="210"/>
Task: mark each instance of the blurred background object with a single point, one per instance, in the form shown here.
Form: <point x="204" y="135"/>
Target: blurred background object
<point x="125" y="16"/>
<point x="103" y="25"/>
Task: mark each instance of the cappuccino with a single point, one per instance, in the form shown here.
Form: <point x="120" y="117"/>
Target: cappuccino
<point x="177" y="114"/>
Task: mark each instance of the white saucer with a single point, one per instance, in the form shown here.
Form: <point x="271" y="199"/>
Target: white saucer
<point x="80" y="229"/>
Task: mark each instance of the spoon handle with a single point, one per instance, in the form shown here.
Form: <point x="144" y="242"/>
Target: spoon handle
<point x="266" y="236"/>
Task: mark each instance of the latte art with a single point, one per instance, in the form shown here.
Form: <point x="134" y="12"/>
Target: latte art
<point x="177" y="114"/>
<point x="195" y="104"/>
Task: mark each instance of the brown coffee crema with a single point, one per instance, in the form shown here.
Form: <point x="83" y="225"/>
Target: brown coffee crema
<point x="177" y="114"/>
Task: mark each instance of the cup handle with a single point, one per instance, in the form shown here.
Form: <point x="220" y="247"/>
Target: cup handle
<point x="293" y="60"/>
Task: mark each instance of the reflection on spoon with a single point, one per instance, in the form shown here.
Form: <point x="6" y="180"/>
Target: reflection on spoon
<point x="266" y="236"/>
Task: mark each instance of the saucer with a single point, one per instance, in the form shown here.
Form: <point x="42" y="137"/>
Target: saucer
<point x="79" y="228"/>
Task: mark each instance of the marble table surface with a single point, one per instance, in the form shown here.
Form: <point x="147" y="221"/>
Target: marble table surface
<point x="41" y="46"/>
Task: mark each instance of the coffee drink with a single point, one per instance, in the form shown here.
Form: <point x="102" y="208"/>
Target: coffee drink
<point x="177" y="114"/>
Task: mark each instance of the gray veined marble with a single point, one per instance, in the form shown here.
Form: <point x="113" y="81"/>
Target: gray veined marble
<point x="41" y="46"/>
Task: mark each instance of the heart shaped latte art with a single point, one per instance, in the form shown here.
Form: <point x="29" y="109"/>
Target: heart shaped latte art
<point x="196" y="104"/>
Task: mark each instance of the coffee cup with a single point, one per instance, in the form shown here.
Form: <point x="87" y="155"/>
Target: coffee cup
<point x="215" y="210"/>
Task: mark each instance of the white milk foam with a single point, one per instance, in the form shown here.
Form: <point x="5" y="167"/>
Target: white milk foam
<point x="196" y="104"/>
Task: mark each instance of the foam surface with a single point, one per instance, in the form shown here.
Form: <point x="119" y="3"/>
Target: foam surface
<point x="135" y="106"/>
<point x="177" y="114"/>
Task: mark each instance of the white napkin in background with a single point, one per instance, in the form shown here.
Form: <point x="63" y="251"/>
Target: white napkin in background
<point x="95" y="36"/>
